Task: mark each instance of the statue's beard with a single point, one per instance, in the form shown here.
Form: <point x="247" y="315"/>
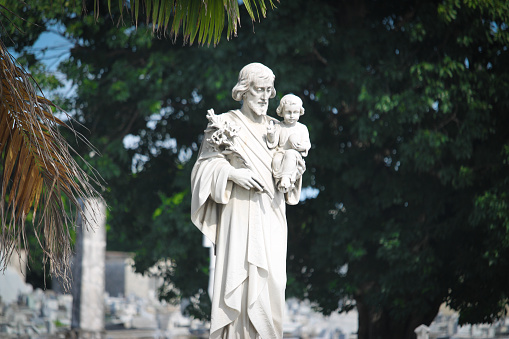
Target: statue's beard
<point x="257" y="108"/>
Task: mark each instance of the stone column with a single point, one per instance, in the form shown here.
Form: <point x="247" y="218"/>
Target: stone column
<point x="88" y="272"/>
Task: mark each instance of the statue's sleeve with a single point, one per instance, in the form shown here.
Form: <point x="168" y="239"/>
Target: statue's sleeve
<point x="209" y="187"/>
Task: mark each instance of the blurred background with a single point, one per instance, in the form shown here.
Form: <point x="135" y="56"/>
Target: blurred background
<point x="405" y="210"/>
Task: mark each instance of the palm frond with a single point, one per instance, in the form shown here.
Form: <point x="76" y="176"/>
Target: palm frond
<point x="202" y="19"/>
<point x="37" y="171"/>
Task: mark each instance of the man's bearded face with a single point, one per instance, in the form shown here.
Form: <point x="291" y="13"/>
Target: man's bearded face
<point x="257" y="97"/>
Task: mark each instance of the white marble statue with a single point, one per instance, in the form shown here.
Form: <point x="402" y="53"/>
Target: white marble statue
<point x="291" y="140"/>
<point x="236" y="205"/>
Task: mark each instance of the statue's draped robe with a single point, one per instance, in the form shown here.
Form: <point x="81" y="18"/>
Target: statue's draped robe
<point x="249" y="231"/>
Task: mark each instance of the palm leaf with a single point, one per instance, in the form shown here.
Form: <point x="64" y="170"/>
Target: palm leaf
<point x="37" y="170"/>
<point x="202" y="19"/>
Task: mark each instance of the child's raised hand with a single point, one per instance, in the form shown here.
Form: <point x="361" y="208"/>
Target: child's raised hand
<point x="271" y="128"/>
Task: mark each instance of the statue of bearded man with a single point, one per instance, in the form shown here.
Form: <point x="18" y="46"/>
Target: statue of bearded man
<point x="236" y="206"/>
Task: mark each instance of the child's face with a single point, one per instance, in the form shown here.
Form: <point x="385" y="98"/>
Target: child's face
<point x="291" y="113"/>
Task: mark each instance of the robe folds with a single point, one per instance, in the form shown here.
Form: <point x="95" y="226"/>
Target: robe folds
<point x="249" y="231"/>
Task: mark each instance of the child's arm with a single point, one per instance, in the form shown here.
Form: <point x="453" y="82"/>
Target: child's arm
<point x="305" y="144"/>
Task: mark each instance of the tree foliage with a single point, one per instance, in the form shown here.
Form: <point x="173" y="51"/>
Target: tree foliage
<point x="406" y="104"/>
<point x="204" y="19"/>
<point x="201" y="20"/>
<point x="38" y="171"/>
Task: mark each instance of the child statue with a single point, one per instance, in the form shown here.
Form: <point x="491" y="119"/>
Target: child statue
<point x="291" y="140"/>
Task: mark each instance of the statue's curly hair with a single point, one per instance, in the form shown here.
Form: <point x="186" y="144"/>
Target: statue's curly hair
<point x="288" y="99"/>
<point x="246" y="76"/>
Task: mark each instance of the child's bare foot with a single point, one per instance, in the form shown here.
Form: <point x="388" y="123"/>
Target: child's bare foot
<point x="285" y="184"/>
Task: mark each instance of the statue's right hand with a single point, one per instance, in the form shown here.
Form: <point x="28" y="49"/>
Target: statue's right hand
<point x="246" y="179"/>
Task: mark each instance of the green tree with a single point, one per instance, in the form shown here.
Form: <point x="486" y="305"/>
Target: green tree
<point x="406" y="103"/>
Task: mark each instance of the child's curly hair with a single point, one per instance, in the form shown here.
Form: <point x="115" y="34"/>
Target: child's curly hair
<point x="289" y="99"/>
